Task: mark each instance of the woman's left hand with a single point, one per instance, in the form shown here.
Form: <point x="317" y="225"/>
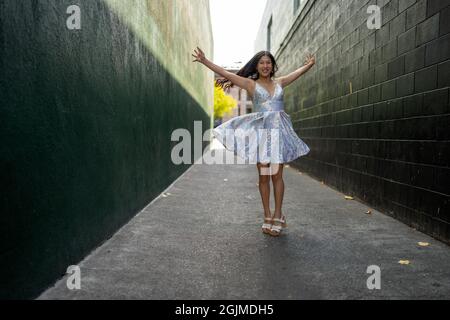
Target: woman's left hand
<point x="310" y="60"/>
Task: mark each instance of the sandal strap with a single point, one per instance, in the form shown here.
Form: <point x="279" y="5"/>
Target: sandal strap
<point x="277" y="228"/>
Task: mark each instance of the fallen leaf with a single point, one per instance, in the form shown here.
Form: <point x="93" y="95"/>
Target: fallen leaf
<point x="348" y="198"/>
<point x="423" y="244"/>
<point x="405" y="262"/>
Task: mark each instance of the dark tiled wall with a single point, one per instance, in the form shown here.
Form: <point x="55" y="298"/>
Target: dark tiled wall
<point x="375" y="109"/>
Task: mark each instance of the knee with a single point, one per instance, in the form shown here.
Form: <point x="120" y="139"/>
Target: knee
<point x="277" y="177"/>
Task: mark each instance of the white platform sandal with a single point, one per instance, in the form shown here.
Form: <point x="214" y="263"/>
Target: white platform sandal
<point x="277" y="226"/>
<point x="267" y="226"/>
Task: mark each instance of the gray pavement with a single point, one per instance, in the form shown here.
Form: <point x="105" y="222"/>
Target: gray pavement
<point x="203" y="241"/>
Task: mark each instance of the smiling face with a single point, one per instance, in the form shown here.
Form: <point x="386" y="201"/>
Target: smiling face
<point x="265" y="67"/>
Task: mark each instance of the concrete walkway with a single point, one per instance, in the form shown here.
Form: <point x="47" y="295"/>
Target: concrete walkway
<point x="203" y="241"/>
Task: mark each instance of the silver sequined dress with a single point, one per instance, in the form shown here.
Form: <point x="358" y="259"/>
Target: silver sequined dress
<point x="265" y="136"/>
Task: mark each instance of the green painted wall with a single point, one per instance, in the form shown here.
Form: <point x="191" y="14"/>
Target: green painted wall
<point x="86" y="120"/>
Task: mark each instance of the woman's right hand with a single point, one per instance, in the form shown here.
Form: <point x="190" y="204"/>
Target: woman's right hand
<point x="199" y="56"/>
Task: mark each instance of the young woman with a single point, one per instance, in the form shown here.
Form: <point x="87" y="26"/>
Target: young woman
<point x="258" y="78"/>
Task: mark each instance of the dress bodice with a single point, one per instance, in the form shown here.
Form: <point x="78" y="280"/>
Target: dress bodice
<point x="264" y="102"/>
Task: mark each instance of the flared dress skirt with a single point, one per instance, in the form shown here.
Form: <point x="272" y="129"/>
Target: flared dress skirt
<point x="262" y="137"/>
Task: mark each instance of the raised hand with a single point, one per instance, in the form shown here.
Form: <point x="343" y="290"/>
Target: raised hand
<point x="199" y="55"/>
<point x="310" y="60"/>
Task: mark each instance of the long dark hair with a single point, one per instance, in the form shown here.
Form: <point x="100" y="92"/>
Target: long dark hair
<point x="249" y="70"/>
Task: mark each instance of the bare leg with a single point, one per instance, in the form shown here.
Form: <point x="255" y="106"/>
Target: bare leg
<point x="264" y="189"/>
<point x="278" y="188"/>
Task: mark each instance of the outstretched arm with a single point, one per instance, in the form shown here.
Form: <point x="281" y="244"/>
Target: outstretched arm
<point x="241" y="82"/>
<point x="309" y="63"/>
